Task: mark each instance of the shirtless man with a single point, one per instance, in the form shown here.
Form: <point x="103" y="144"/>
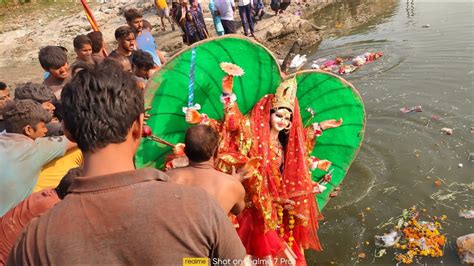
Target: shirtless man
<point x="200" y="148"/>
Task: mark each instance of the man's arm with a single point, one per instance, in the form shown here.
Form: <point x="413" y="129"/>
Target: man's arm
<point x="226" y="243"/>
<point x="51" y="148"/>
<point x="161" y="56"/>
<point x="239" y="191"/>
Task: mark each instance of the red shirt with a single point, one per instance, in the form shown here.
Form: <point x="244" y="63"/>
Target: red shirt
<point x="18" y="217"/>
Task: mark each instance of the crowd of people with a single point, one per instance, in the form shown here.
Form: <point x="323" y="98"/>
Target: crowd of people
<point x="69" y="190"/>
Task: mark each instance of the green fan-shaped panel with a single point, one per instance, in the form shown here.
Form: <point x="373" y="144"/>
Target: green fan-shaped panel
<point x="331" y="97"/>
<point x="328" y="95"/>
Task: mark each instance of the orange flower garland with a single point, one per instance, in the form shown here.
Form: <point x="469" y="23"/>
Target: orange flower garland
<point x="420" y="239"/>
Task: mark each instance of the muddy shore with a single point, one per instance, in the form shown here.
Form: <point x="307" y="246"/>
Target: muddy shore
<point x="24" y="29"/>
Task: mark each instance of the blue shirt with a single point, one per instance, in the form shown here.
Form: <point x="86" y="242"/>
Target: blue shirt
<point x="146" y="42"/>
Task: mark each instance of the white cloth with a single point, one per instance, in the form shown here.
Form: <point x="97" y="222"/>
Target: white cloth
<point x="225" y="9"/>
<point x="244" y="2"/>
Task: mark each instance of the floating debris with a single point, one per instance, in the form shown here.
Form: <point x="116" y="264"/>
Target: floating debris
<point x="413" y="237"/>
<point x="387" y="240"/>
<point x="468" y="214"/>
<point x="414" y="109"/>
<point x="471" y="157"/>
<point x="460" y="165"/>
<point x="447" y="130"/>
<point x="426" y="26"/>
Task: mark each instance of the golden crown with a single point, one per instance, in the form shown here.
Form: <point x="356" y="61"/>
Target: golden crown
<point x="285" y="95"/>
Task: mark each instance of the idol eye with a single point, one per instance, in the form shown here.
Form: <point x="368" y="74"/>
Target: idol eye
<point x="279" y="115"/>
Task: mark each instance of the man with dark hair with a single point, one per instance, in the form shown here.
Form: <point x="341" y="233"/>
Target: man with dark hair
<point x="5" y="98"/>
<point x="44" y="96"/>
<point x="145" y="40"/>
<point x="143" y="66"/>
<point x="200" y="147"/>
<point x="120" y="60"/>
<point x="116" y="214"/>
<point x="97" y="42"/>
<point x="13" y="222"/>
<point x="83" y="48"/>
<point x="53" y="59"/>
<point x="38" y="93"/>
<point x="125" y="37"/>
<point x="24" y="150"/>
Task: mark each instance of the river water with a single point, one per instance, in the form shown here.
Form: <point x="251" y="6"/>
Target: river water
<point x="403" y="154"/>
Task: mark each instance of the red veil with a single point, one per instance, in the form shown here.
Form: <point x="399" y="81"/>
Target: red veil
<point x="258" y="223"/>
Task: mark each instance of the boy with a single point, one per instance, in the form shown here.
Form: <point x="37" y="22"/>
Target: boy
<point x="44" y="96"/>
<point x="142" y="65"/>
<point x="97" y="42"/>
<point x="125" y="37"/>
<point x="83" y="48"/>
<point x="53" y="59"/>
<point x="24" y="150"/>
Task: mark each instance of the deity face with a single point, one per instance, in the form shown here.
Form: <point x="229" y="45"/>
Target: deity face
<point x="281" y="119"/>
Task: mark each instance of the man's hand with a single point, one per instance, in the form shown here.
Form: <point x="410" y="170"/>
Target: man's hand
<point x="332" y="123"/>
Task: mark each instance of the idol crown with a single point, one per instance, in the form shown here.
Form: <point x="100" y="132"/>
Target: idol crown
<point x="285" y="95"/>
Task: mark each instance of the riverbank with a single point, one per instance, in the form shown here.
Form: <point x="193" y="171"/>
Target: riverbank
<point x="24" y="29"/>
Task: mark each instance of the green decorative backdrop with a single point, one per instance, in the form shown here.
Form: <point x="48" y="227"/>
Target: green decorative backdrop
<point x="330" y="96"/>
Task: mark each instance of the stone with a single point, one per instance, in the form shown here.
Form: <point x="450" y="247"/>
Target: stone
<point x="465" y="246"/>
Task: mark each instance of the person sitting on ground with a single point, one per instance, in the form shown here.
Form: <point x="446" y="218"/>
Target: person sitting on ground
<point x="145" y="40"/>
<point x="163" y="11"/>
<point x="83" y="48"/>
<point x="98" y="49"/>
<point x="200" y="147"/>
<point x="5" y="98"/>
<point x="25" y="150"/>
<point x="13" y="222"/>
<point x="126" y="42"/>
<point x="115" y="214"/>
<point x="53" y="59"/>
<point x="44" y="96"/>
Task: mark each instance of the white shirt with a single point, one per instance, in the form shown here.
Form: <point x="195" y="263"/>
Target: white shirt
<point x="225" y="9"/>
<point x="244" y="2"/>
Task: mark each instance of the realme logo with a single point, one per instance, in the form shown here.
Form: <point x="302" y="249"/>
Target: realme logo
<point x="195" y="261"/>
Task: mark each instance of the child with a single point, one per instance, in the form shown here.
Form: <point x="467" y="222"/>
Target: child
<point x="98" y="49"/>
<point x="83" y="49"/>
<point x="143" y="65"/>
<point x="53" y="59"/>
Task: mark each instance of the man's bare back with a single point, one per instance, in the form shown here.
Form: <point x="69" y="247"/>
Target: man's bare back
<point x="226" y="189"/>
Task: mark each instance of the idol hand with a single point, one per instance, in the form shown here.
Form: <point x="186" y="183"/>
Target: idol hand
<point x="324" y="165"/>
<point x="193" y="116"/>
<point x="332" y="123"/>
<point x="227" y="84"/>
